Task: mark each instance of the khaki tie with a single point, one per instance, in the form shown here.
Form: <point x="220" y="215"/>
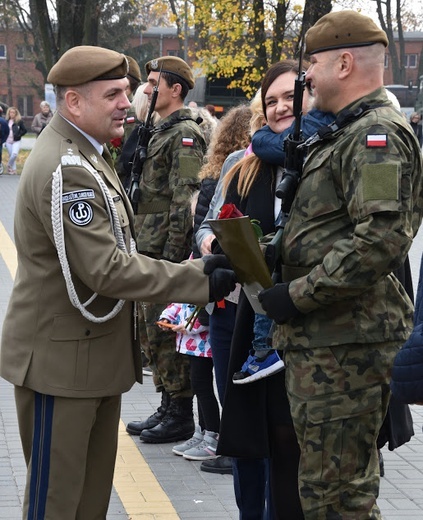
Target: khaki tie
<point x="108" y="158"/>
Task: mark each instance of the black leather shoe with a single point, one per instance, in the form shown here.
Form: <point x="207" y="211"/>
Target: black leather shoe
<point x="222" y="465"/>
<point x="136" y="427"/>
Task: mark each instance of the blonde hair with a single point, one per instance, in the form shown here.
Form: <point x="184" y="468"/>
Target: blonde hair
<point x="17" y="114"/>
<point x="249" y="166"/>
<point x="140" y="105"/>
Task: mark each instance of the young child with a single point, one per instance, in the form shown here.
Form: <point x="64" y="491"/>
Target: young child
<point x="193" y="340"/>
<point x="263" y="360"/>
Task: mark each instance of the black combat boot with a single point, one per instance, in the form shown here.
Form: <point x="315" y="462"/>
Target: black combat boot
<point x="177" y="424"/>
<point x="136" y="427"/>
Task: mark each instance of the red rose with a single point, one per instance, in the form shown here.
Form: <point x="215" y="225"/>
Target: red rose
<point x="116" y="142"/>
<point x="229" y="211"/>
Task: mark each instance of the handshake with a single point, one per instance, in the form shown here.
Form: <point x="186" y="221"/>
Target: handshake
<point x="276" y="301"/>
<point x="222" y="279"/>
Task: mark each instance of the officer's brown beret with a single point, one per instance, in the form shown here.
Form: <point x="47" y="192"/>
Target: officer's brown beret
<point x="134" y="69"/>
<point x="172" y="65"/>
<point x="343" y="29"/>
<point x="87" y="63"/>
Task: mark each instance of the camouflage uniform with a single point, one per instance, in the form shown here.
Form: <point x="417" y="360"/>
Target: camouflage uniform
<point x="352" y="222"/>
<point x="164" y="230"/>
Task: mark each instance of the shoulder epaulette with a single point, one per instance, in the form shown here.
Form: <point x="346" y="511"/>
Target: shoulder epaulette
<point x="69" y="154"/>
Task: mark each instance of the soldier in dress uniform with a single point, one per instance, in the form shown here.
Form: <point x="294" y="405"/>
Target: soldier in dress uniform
<point x="69" y="340"/>
<point x="342" y="314"/>
<point x="163" y="225"/>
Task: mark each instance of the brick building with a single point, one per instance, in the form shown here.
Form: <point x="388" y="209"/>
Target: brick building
<point x="23" y="86"/>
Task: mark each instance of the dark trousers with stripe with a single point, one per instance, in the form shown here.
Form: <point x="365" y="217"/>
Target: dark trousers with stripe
<point x="70" y="448"/>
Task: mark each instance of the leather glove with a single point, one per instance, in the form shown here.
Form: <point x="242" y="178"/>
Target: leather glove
<point x="278" y="304"/>
<point x="212" y="262"/>
<point x="215" y="247"/>
<point x="222" y="279"/>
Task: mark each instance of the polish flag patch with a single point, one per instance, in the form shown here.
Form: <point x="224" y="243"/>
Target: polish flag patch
<point x="187" y="141"/>
<point x="130" y="120"/>
<point x="376" y="140"/>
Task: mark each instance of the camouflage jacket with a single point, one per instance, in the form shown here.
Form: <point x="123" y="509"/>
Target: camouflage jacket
<point x="169" y="178"/>
<point x="356" y="211"/>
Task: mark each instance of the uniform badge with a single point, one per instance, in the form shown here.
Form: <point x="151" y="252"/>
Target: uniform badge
<point x="130" y="120"/>
<point x="376" y="141"/>
<point x="73" y="196"/>
<point x="187" y="141"/>
<point x="81" y="213"/>
<point x="154" y="64"/>
<point x="94" y="158"/>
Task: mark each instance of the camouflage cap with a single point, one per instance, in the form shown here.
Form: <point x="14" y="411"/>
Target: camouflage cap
<point x="343" y="29"/>
<point x="172" y="65"/>
<point x="87" y="63"/>
<point x="134" y="69"/>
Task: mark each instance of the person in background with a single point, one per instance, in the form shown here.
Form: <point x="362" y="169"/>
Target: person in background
<point x="163" y="225"/>
<point x="212" y="110"/>
<point x="69" y="342"/>
<point x="17" y="130"/>
<point x="115" y="145"/>
<point x="192" y="340"/>
<point x="42" y="119"/>
<point x="341" y="314"/>
<point x="4" y="132"/>
<point x="416" y="125"/>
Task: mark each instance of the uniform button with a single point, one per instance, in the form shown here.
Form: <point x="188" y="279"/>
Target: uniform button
<point x="87" y="332"/>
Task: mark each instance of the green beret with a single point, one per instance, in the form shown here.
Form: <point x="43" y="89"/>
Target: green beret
<point x="343" y="29"/>
<point x="134" y="69"/>
<point x="87" y="63"/>
<point x="172" y="65"/>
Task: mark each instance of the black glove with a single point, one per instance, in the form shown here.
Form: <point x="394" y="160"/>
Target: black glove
<point x="222" y="279"/>
<point x="215" y="247"/>
<point x="278" y="304"/>
<point x="212" y="262"/>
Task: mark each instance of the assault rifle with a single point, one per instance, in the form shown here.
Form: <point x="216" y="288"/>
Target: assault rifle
<point x="294" y="157"/>
<point x="145" y="131"/>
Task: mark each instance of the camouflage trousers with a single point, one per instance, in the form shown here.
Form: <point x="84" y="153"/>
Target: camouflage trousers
<point x="170" y="369"/>
<point x="339" y="397"/>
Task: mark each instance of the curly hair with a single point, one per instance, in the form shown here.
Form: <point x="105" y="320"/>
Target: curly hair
<point x="231" y="134"/>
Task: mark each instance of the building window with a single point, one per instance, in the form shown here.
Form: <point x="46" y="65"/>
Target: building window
<point x="25" y="106"/>
<point x="20" y="52"/>
<point x="3" y="52"/>
<point x="386" y="61"/>
<point x="411" y="61"/>
<point x="172" y="53"/>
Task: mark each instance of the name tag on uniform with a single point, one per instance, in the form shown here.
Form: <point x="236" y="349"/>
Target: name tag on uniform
<point x="73" y="196"/>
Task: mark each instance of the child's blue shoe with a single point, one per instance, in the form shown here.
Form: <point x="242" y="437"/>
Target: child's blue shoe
<point x="256" y="368"/>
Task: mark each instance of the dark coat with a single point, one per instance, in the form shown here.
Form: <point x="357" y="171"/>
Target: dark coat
<point x="207" y="189"/>
<point x="249" y="409"/>
<point x="407" y="373"/>
<point x="18" y="130"/>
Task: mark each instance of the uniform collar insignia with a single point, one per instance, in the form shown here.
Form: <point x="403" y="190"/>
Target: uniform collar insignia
<point x="94" y="158"/>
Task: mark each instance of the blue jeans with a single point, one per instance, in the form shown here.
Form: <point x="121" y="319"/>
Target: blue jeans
<point x="251" y="476"/>
<point x="262" y="325"/>
<point x="221" y="323"/>
<point x="252" y="490"/>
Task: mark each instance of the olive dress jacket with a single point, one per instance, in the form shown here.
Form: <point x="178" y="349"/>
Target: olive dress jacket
<point x="47" y="344"/>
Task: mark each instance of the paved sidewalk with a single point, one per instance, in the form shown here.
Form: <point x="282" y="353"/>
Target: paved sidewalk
<point x="189" y="494"/>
